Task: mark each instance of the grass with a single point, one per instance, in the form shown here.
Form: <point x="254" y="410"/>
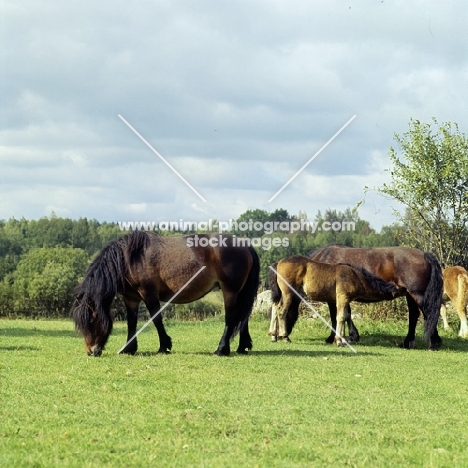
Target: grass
<point x="302" y="404"/>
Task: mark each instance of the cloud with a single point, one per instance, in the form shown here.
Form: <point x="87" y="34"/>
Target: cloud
<point x="237" y="96"/>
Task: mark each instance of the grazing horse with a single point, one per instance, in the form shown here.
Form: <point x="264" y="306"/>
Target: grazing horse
<point x="144" y="266"/>
<point x="339" y="283"/>
<point x="418" y="272"/>
<point x="455" y="291"/>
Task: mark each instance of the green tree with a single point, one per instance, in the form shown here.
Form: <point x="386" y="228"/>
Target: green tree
<point x="247" y="220"/>
<point x="430" y="179"/>
<point x="44" y="280"/>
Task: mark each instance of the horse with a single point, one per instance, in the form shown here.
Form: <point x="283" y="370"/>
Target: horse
<point x="418" y="272"/>
<point x="144" y="266"/>
<point x="337" y="283"/>
<point x="455" y="291"/>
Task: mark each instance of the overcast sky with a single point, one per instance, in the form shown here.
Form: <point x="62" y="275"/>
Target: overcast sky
<point x="236" y="95"/>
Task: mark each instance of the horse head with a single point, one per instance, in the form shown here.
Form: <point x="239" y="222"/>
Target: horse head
<point x="94" y="322"/>
<point x="399" y="291"/>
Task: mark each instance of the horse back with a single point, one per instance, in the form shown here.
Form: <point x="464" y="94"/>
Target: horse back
<point x="318" y="280"/>
<point x="170" y="262"/>
<point x="404" y="266"/>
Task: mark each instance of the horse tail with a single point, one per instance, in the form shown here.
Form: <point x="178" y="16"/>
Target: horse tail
<point x="106" y="276"/>
<point x="432" y="296"/>
<point x="247" y="295"/>
<point x="273" y="283"/>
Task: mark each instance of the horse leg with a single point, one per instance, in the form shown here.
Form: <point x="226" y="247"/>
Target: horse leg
<point x="443" y="314"/>
<point x="132" y="318"/>
<point x="342" y="308"/>
<point x="459" y="302"/>
<point x="353" y="331"/>
<point x="463" y="324"/>
<point x="332" y="308"/>
<point x="273" y="332"/>
<point x="245" y="340"/>
<point x="165" y="341"/>
<point x="413" y="316"/>
<point x="230" y="323"/>
<point x="282" y="310"/>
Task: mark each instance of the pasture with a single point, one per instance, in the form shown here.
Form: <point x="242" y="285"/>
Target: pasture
<point x="284" y="405"/>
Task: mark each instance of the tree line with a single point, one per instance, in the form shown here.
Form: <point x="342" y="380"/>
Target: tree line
<point x="42" y="261"/>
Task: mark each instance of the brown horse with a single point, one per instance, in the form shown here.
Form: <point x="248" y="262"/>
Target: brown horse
<point x="146" y="267"/>
<point x="418" y="272"/>
<point x="455" y="291"/>
<point x="322" y="282"/>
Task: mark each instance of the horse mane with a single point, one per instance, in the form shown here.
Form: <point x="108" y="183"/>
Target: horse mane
<point x="134" y="245"/>
<point x="375" y="282"/>
<point x="106" y="275"/>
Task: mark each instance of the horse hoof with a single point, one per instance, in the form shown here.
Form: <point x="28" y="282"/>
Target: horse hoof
<point x="435" y="346"/>
<point x="273" y="339"/>
<point x="407" y="344"/>
<point x="287" y="340"/>
<point x="164" y="351"/>
<point x="353" y="339"/>
<point x="330" y="340"/>
<point x="242" y="351"/>
<point x="129" y="350"/>
<point x="94" y="352"/>
<point x="221" y="353"/>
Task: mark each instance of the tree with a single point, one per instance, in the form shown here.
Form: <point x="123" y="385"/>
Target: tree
<point x="430" y="179"/>
<point x="247" y="221"/>
<point x="45" y="278"/>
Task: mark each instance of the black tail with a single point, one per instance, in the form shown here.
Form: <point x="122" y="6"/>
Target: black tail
<point x="432" y="296"/>
<point x="273" y="283"/>
<point x="247" y="295"/>
<point x="105" y="277"/>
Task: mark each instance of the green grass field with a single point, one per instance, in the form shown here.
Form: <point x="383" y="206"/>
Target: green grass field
<point x="302" y="404"/>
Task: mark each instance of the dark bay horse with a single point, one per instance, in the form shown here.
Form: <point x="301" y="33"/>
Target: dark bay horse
<point x="418" y="272"/>
<point x="144" y="266"/>
<point x="337" y="283"/>
<point x="456" y="292"/>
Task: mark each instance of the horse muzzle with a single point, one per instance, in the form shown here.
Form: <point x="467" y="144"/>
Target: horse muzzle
<point x="95" y="351"/>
